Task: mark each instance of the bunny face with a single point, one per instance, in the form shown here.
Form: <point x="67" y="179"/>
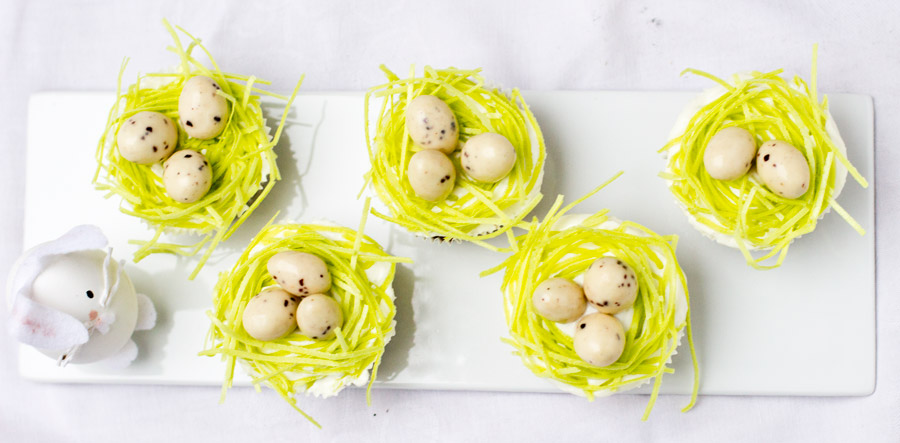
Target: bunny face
<point x="75" y="283"/>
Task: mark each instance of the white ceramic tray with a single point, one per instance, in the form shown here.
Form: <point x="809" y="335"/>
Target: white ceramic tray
<point x="807" y="328"/>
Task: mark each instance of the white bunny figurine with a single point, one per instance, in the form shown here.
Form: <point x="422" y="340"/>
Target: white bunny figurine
<point x="69" y="299"/>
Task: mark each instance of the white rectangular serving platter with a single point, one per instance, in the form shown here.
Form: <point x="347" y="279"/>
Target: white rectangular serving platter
<point x="807" y="328"/>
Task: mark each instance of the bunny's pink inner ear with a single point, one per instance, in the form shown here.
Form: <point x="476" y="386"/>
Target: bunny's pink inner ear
<point x="45" y="328"/>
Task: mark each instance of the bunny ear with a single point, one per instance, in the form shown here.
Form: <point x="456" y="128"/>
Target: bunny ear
<point x="45" y="328"/>
<point x="79" y="238"/>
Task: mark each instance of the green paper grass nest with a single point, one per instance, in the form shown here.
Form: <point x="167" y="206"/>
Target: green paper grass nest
<point x="242" y="157"/>
<point x="744" y="213"/>
<point x="565" y="246"/>
<point x="362" y="274"/>
<point x="474" y="211"/>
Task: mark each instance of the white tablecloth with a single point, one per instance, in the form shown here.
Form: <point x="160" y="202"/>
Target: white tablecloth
<point x="642" y="45"/>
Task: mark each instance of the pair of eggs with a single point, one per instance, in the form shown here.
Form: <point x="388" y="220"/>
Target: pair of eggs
<point x="610" y="286"/>
<point x="431" y="124"/>
<point x="299" y="301"/>
<point x="780" y="165"/>
<point x="150" y="137"/>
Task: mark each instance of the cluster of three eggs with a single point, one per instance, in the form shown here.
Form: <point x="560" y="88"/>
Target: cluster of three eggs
<point x="149" y="137"/>
<point x="610" y="286"/>
<point x="487" y="157"/>
<point x="299" y="301"/>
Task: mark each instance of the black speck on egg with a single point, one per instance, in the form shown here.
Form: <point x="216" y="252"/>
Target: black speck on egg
<point x="583" y="325"/>
<point x="217" y="118"/>
<point x="188" y="155"/>
<point x="90" y="294"/>
<point x="766" y="158"/>
<point x="188" y="122"/>
<point x="149" y="128"/>
<point x="154" y="149"/>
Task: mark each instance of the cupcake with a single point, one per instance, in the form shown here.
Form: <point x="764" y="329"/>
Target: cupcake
<point x="594" y="304"/>
<point x="452" y="159"/>
<point x="188" y="152"/>
<point x="306" y="309"/>
<point x="755" y="161"/>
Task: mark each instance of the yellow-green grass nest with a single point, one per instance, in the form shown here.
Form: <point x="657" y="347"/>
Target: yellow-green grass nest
<point x="241" y="157"/>
<point x="564" y="245"/>
<point x="362" y="274"/>
<point x="475" y="211"/>
<point x="744" y="213"/>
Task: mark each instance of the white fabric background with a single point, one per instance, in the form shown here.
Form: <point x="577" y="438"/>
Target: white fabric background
<point x="643" y="45"/>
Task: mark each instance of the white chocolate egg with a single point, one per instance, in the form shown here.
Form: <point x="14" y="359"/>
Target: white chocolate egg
<point x="488" y="157"/>
<point x="299" y="273"/>
<point x="431" y="124"/>
<point x="187" y="176"/>
<point x="431" y="175"/>
<point x="559" y="299"/>
<point x="201" y="110"/>
<point x="147" y="137"/>
<point x="318" y="316"/>
<point x="610" y="285"/>
<point x="74" y="284"/>
<point x="270" y="314"/>
<point x="599" y="339"/>
<point x="783" y="168"/>
<point x="729" y="154"/>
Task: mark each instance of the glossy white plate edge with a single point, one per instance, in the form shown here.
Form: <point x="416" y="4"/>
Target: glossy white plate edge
<point x="609" y="112"/>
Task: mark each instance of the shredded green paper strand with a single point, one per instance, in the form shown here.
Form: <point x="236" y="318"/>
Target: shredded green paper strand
<point x="242" y="159"/>
<point x="473" y="204"/>
<point x="651" y="340"/>
<point x="771" y="108"/>
<point x="295" y="363"/>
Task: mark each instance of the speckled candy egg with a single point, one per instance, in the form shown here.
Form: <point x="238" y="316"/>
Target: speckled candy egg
<point x="783" y="168"/>
<point x="488" y="157"/>
<point x="147" y="137"/>
<point x="431" y="124"/>
<point x="201" y="109"/>
<point x="610" y="285"/>
<point x="559" y="299"/>
<point x="599" y="339"/>
<point x="270" y="314"/>
<point x="187" y="176"/>
<point x="299" y="273"/>
<point x="431" y="175"/>
<point x="74" y="283"/>
<point x="729" y="154"/>
<point x="318" y="316"/>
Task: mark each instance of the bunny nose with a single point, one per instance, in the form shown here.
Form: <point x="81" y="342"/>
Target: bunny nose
<point x="93" y="315"/>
